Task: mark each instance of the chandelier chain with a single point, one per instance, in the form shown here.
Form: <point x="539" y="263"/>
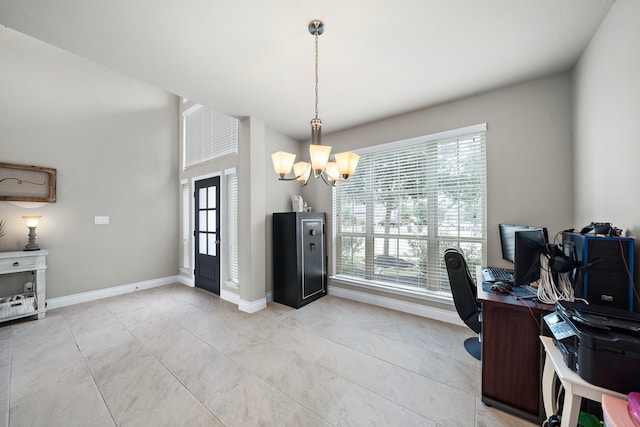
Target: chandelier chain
<point x="316" y="24"/>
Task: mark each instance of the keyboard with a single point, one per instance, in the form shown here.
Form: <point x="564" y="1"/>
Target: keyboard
<point x="497" y="274"/>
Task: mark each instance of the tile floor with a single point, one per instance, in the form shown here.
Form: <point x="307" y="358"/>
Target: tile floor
<point x="176" y="356"/>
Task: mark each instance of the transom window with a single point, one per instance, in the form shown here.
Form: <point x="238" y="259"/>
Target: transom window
<point x="407" y="203"/>
<point x="208" y="135"/>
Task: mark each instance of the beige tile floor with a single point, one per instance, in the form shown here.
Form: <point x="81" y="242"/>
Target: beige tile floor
<point x="176" y="356"/>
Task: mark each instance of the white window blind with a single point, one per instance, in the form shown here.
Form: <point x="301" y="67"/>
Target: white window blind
<point x="208" y="135"/>
<point x="232" y="220"/>
<point x="184" y="241"/>
<point x="407" y="203"/>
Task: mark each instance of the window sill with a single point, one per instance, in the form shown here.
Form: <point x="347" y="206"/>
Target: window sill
<point x="433" y="297"/>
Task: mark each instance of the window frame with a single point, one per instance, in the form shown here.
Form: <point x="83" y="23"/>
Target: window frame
<point x="435" y="243"/>
<point x="231" y="185"/>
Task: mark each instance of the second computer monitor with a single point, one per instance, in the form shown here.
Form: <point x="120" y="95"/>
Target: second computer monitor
<point x="529" y="245"/>
<point x="508" y="239"/>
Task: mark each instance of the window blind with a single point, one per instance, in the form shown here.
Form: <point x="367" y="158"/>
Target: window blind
<point x="184" y="241"/>
<point x="232" y="220"/>
<point x="405" y="205"/>
<point x="208" y="135"/>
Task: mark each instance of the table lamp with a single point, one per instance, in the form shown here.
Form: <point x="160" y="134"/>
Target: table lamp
<point x="32" y="222"/>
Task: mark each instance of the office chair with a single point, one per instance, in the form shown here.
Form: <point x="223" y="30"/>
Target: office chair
<point x="464" y="293"/>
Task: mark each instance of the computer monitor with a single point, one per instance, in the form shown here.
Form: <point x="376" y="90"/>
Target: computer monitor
<point x="508" y="239"/>
<point x="529" y="245"/>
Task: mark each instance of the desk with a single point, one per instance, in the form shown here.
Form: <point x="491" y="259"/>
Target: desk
<point x="511" y="353"/>
<point x="575" y="388"/>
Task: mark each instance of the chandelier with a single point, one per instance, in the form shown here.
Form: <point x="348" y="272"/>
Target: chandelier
<point x="340" y="168"/>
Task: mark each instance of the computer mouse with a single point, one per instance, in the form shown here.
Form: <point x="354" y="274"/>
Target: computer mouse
<point x="500" y="287"/>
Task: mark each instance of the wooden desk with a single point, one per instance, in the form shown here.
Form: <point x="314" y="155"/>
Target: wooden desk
<point x="575" y="388"/>
<point x="511" y="353"/>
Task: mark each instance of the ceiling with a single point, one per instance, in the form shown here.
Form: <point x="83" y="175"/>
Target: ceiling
<point x="377" y="58"/>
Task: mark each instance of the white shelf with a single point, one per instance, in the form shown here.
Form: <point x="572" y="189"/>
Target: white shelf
<point x="36" y="261"/>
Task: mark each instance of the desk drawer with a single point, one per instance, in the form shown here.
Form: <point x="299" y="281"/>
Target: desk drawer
<point x="19" y="263"/>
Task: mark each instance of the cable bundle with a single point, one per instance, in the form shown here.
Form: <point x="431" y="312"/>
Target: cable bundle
<point x="548" y="291"/>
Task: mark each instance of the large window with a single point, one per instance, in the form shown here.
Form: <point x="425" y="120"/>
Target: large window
<point x="406" y="204"/>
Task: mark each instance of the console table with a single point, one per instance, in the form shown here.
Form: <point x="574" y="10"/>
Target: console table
<point x="19" y="261"/>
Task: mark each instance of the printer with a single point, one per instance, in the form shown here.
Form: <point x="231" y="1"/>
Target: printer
<point x="601" y="344"/>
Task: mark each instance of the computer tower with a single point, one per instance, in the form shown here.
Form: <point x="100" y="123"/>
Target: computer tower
<point x="604" y="272"/>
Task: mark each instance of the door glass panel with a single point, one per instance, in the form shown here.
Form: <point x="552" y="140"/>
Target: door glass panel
<point x="202" y="197"/>
<point x="212" y="221"/>
<point x="202" y="221"/>
<point x="212" y="244"/>
<point x="212" y="197"/>
<point x="202" y="243"/>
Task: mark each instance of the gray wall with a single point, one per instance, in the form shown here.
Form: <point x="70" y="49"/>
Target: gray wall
<point x="259" y="195"/>
<point x="607" y="123"/>
<point x="112" y="140"/>
<point x="529" y="151"/>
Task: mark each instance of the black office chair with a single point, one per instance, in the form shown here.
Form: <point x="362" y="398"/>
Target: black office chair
<point x="464" y="293"/>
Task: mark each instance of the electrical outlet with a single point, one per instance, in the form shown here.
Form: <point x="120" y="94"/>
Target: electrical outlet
<point x="101" y="220"/>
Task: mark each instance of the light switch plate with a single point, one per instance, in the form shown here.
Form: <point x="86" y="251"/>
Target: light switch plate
<point x="101" y="220"/>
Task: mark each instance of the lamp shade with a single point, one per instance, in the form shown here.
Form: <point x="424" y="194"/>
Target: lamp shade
<point x="319" y="156"/>
<point x="347" y="163"/>
<point x="332" y="172"/>
<point x="302" y="170"/>
<point x="32" y="221"/>
<point x="282" y="162"/>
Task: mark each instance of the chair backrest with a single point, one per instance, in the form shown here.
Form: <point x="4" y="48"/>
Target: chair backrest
<point x="463" y="288"/>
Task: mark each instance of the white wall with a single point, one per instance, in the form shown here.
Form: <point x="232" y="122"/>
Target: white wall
<point x="607" y="122"/>
<point x="112" y="140"/>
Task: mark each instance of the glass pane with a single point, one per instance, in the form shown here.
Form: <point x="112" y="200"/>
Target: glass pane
<point x="401" y="261"/>
<point x="212" y="244"/>
<point x="352" y="256"/>
<point x="212" y="198"/>
<point x="202" y="196"/>
<point x="202" y="243"/>
<point x="211" y="227"/>
<point x="202" y="221"/>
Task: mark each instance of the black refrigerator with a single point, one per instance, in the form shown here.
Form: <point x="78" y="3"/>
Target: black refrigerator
<point x="299" y="257"/>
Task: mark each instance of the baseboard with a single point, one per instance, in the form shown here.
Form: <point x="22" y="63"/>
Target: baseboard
<point x="185" y="280"/>
<point x="53" y="303"/>
<point x="252" y="306"/>
<point x="229" y="296"/>
<point x="398" y="305"/>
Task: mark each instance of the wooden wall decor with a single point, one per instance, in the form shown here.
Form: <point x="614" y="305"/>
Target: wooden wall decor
<point x="27" y="183"/>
